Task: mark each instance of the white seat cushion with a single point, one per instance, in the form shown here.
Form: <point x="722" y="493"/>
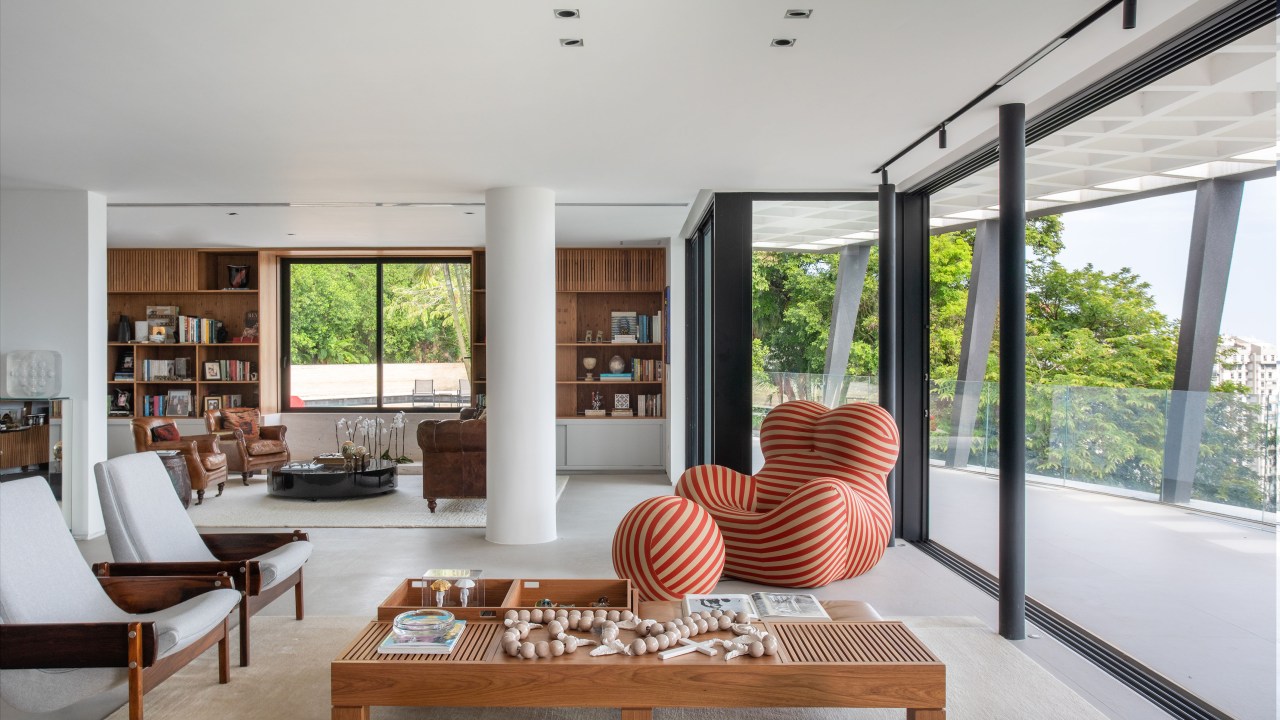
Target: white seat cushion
<point x="283" y="561"/>
<point x="188" y="621"/>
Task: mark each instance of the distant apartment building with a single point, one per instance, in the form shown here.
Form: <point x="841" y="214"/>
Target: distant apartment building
<point x="1251" y="363"/>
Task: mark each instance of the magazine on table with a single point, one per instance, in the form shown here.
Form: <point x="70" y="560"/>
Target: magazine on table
<point x="760" y="605"/>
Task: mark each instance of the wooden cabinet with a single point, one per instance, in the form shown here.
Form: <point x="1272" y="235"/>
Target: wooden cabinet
<point x="198" y="283"/>
<point x="591" y="285"/>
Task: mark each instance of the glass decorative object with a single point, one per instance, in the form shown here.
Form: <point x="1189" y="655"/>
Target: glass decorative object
<point x="32" y="373"/>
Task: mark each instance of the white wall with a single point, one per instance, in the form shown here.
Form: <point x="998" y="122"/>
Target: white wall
<point x="53" y="292"/>
<point x="676" y="426"/>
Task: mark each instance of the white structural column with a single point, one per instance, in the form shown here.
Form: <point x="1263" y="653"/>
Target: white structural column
<point x="520" y="314"/>
<point x="53" y="296"/>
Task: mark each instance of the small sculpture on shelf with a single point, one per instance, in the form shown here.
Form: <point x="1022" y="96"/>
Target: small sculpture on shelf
<point x="617" y="364"/>
<point x="590" y="364"/>
<point x="441" y="587"/>
<point x="596" y="399"/>
<point x="464" y="590"/>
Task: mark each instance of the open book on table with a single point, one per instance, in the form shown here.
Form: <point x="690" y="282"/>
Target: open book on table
<point x="760" y="605"/>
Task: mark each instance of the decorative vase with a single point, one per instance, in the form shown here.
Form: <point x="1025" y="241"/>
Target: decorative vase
<point x="590" y="364"/>
<point x="617" y="364"/>
<point x="238" y="277"/>
<point x="124" y="330"/>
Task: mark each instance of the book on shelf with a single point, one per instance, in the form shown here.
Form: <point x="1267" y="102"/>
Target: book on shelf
<point x="436" y="643"/>
<point x="198" y="330"/>
<point x="615" y="376"/>
<point x="623" y="412"/>
<point x="760" y="605"/>
<point x="649" y="405"/>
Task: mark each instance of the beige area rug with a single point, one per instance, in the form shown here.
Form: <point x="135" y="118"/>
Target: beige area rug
<point x="987" y="679"/>
<point x="250" y="506"/>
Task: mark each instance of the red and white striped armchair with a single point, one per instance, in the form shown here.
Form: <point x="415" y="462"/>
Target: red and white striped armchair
<point x="818" y="511"/>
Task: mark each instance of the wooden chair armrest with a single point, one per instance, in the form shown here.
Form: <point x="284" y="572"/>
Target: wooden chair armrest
<point x="273" y="432"/>
<point x="150" y="594"/>
<point x="74" y="645"/>
<point x="245" y="575"/>
<point x="246" y="546"/>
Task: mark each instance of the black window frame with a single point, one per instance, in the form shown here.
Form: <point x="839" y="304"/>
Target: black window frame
<point x="286" y="327"/>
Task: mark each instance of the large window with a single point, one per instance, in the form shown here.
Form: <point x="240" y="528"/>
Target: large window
<point x="812" y="262"/>
<point x="371" y="333"/>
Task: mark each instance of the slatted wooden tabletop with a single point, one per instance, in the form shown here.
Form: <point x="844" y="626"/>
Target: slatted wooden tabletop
<point x="819" y="664"/>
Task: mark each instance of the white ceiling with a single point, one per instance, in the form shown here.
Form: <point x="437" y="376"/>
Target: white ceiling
<point x="305" y="101"/>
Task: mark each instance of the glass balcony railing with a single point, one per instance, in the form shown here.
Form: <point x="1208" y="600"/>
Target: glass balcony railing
<point x="1210" y="451"/>
<point x="775" y="388"/>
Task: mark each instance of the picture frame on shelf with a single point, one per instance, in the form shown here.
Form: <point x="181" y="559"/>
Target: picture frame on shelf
<point x="212" y="371"/>
<point x="178" y="403"/>
<point x="235" y="401"/>
<point x="212" y="402"/>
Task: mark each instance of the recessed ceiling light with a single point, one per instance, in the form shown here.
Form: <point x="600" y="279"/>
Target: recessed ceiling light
<point x="783" y="42"/>
<point x="571" y="42"/>
<point x="798" y="14"/>
<point x="233" y="213"/>
<point x="566" y="14"/>
<point x="468" y="212"/>
<point x="292" y="234"/>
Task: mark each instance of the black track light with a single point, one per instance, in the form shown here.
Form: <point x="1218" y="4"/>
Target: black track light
<point x="1130" y="10"/>
<point x="942" y="137"/>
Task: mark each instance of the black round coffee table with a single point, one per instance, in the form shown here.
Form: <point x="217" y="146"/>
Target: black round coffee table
<point x="318" y="482"/>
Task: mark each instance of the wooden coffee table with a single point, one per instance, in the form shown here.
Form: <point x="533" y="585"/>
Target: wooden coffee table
<point x="819" y="664"/>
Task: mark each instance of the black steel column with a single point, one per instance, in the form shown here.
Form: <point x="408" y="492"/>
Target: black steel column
<point x="913" y="469"/>
<point x="890" y="338"/>
<point x="1013" y="370"/>
<point x="730" y="352"/>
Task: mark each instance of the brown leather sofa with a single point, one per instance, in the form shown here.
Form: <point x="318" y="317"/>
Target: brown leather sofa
<point x="206" y="464"/>
<point x="453" y="457"/>
<point x="265" y="451"/>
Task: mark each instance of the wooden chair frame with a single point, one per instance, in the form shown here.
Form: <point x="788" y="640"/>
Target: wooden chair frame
<point x="130" y="645"/>
<point x="235" y="553"/>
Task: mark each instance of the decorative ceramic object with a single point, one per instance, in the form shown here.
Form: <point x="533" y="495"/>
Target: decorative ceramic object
<point x="590" y="364"/>
<point x="441" y="587"/>
<point x="464" y="590"/>
<point x="124" y="330"/>
<point x="238" y="277"/>
<point x="617" y="364"/>
<point x="32" y="373"/>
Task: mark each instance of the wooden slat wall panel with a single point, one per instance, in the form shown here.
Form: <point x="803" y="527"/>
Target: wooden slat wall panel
<point x="610" y="269"/>
<point x="132" y="270"/>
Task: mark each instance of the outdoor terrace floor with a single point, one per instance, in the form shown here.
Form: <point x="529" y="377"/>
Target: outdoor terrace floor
<point x="1192" y="596"/>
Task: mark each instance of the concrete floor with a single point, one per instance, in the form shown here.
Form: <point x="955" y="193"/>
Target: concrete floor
<point x="1189" y="595"/>
<point x="353" y="569"/>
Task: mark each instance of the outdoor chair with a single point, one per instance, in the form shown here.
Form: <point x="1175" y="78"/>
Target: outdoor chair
<point x="74" y="644"/>
<point x="206" y="463"/>
<point x="818" y="510"/>
<point x="150" y="534"/>
<point x="424" y="392"/>
<point x="257" y="446"/>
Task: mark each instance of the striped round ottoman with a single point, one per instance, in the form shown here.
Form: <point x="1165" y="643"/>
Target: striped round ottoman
<point x="668" y="546"/>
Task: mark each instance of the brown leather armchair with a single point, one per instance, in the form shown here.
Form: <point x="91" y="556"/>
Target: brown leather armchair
<point x="453" y="458"/>
<point x="265" y="451"/>
<point x="206" y="464"/>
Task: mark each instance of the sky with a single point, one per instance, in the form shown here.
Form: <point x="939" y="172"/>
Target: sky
<point x="1152" y="238"/>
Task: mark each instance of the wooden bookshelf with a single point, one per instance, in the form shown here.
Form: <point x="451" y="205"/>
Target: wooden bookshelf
<point x="592" y="284"/>
<point x="195" y="281"/>
<point x="479" y="358"/>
